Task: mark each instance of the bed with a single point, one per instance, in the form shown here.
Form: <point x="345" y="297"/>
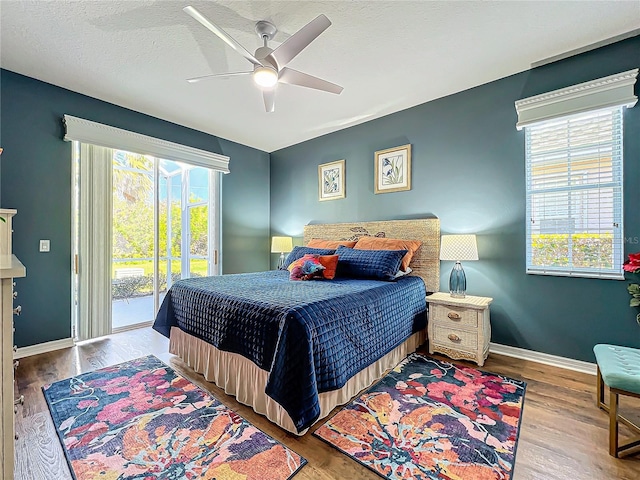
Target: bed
<point x="293" y="351"/>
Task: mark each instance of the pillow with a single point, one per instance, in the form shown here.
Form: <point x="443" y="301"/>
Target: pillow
<point x="333" y="244"/>
<point x="381" y="243"/>
<point x="299" y="252"/>
<point x="375" y="264"/>
<point x="403" y="274"/>
<point x="330" y="263"/>
<point x="306" y="268"/>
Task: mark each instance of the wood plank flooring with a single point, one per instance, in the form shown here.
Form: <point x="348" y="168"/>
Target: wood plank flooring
<point x="563" y="434"/>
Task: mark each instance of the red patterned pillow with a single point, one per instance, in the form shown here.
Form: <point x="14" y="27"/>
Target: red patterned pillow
<point x="306" y="268"/>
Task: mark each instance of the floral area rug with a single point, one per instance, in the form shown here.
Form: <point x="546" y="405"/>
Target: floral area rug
<point x="141" y="420"/>
<point x="428" y="419"/>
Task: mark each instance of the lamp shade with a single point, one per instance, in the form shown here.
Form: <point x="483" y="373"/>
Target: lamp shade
<point x="281" y="244"/>
<point x="458" y="247"/>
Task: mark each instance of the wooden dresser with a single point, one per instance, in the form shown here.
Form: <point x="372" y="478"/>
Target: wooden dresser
<point x="10" y="268"/>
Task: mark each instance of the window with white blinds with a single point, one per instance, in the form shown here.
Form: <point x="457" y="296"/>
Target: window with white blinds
<point x="574" y="195"/>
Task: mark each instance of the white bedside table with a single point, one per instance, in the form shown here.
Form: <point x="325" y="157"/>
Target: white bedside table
<point x="459" y="327"/>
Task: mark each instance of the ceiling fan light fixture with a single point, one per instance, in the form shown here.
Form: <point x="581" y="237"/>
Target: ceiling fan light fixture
<point x="270" y="65"/>
<point x="265" y="76"/>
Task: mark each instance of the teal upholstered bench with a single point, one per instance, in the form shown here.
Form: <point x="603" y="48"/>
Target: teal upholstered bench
<point x="619" y="369"/>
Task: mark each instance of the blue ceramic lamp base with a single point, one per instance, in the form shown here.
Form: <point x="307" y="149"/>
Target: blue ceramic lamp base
<point x="457" y="281"/>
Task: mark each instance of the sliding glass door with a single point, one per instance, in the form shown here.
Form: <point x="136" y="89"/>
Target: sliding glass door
<point x="162" y="219"/>
<point x="163" y="227"/>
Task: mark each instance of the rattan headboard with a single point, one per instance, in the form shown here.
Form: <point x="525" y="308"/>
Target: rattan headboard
<point x="425" y="262"/>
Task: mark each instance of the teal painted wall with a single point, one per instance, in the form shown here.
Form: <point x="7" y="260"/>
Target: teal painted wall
<point x="468" y="170"/>
<point x="36" y="179"/>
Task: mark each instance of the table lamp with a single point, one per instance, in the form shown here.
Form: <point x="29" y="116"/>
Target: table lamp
<point x="281" y="245"/>
<point x="457" y="248"/>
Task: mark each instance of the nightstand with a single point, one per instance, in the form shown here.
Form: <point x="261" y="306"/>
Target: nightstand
<point x="459" y="327"/>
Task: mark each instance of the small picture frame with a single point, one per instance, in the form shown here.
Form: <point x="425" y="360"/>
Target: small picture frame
<point x="331" y="181"/>
<point x="393" y="169"/>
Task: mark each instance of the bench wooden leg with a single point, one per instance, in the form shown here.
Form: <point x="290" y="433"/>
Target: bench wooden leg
<point x="600" y="390"/>
<point x="613" y="423"/>
<point x="631" y="446"/>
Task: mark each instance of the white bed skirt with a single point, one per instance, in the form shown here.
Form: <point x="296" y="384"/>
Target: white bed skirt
<point x="245" y="381"/>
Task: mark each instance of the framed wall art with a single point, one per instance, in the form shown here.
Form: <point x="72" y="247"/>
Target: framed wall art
<point x="393" y="169"/>
<point x="331" y="181"/>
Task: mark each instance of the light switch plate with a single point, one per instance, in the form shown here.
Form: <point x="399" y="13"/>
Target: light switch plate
<point x="45" y="245"/>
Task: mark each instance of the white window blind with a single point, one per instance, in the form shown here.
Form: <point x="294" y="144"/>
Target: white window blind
<point x="574" y="195"/>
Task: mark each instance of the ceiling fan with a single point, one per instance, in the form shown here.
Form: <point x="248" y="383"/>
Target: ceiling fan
<point x="270" y="66"/>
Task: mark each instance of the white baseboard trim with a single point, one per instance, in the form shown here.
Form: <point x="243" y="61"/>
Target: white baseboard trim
<point x="545" y="358"/>
<point x="43" y="347"/>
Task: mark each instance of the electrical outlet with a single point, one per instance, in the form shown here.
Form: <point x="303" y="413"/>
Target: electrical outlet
<point x="45" y="245"/>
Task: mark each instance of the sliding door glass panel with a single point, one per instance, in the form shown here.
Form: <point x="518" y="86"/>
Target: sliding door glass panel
<point x="199" y="219"/>
<point x="179" y="242"/>
<point x="198" y="240"/>
<point x="133" y="239"/>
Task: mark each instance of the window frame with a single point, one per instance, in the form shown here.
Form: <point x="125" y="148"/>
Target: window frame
<point x="616" y="184"/>
<point x="610" y="92"/>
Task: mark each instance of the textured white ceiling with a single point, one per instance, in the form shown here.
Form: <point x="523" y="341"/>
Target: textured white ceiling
<point x="388" y="55"/>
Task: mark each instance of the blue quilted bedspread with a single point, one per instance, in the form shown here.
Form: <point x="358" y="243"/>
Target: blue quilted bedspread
<point x="311" y="336"/>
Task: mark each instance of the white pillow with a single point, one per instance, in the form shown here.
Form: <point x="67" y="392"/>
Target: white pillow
<point x="402" y="274"/>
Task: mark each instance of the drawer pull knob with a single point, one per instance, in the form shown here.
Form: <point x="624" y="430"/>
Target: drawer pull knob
<point x="19" y="401"/>
<point x="453" y="337"/>
<point x="15" y="294"/>
<point x="454" y="316"/>
<point x="16" y="363"/>
<point x="17" y="310"/>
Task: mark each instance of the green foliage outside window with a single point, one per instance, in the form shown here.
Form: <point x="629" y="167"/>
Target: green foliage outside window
<point x="133" y="232"/>
<point x="587" y="250"/>
<point x="133" y="212"/>
<point x="133" y="229"/>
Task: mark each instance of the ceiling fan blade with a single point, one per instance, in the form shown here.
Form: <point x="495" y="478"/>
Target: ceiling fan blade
<point x="224" y="36"/>
<point x="269" y="96"/>
<point x="213" y="75"/>
<point x="300" y="40"/>
<point x="294" y="77"/>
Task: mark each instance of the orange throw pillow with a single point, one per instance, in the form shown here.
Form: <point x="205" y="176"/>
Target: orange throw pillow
<point x="330" y="263"/>
<point x="381" y="243"/>
<point x="319" y="243"/>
